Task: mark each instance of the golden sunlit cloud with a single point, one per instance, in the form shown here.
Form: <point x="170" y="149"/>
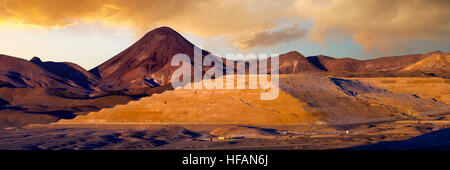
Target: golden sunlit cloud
<point x="268" y="38"/>
<point x="203" y="17"/>
<point x="373" y="24"/>
<point x="381" y="25"/>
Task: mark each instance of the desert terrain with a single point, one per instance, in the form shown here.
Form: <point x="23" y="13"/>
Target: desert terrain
<point x="431" y="133"/>
<point x="128" y="103"/>
<point x="365" y="116"/>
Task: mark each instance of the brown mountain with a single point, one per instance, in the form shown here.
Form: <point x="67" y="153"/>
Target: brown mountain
<point x="70" y="71"/>
<point x="333" y="64"/>
<point x="290" y="63"/>
<point x="43" y="92"/>
<point x="22" y="73"/>
<point x="373" y="65"/>
<point x="149" y="57"/>
<point x="392" y="63"/>
<point x="384" y="66"/>
<point x="437" y="64"/>
<point x="294" y="62"/>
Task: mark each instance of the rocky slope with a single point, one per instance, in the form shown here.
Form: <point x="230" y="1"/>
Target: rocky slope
<point x="303" y="99"/>
<point x="70" y="71"/>
<point x="149" y="57"/>
<point x="22" y="73"/>
<point x="413" y="65"/>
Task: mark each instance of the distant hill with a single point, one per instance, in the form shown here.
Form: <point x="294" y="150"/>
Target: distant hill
<point x="294" y="62"/>
<point x="22" y="73"/>
<point x="436" y="64"/>
<point x="70" y="71"/>
<point x="430" y="64"/>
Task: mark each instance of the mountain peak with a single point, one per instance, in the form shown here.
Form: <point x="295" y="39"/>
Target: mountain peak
<point x="292" y="55"/>
<point x="434" y="52"/>
<point x="150" y="56"/>
<point x="167" y="31"/>
<point x="295" y="53"/>
<point x="295" y="62"/>
<point x="36" y="60"/>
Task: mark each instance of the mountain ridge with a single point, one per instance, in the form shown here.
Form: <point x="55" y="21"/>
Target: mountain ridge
<point x="41" y="88"/>
<point x="150" y="56"/>
<point x="24" y="74"/>
<point x="69" y="71"/>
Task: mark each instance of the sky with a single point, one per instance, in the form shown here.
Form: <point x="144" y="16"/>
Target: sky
<point x="89" y="32"/>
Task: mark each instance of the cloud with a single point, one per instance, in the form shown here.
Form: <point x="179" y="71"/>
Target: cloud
<point x="202" y="17"/>
<point x="378" y="25"/>
<point x="268" y="38"/>
<point x="49" y="12"/>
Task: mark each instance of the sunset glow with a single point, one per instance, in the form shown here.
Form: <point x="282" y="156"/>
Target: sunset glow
<point x="78" y="30"/>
